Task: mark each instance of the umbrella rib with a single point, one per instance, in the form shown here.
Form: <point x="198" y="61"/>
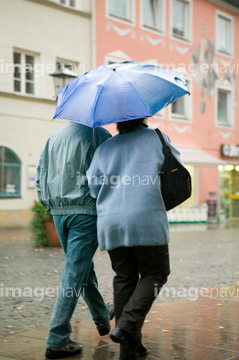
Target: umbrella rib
<point x="98" y="95"/>
<point x="162" y="79"/>
<point x="146" y="106"/>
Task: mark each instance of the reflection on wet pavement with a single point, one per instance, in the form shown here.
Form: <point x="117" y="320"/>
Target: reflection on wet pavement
<point x="206" y="328"/>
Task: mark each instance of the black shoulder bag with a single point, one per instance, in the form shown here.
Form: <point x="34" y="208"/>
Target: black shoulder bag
<point x="175" y="178"/>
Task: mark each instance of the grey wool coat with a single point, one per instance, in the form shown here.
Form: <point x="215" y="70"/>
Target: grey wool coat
<point x="123" y="177"/>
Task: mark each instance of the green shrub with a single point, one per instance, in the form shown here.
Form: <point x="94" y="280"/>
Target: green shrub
<point x="37" y="224"/>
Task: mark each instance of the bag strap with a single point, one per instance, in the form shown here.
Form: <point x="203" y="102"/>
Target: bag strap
<point x="166" y="148"/>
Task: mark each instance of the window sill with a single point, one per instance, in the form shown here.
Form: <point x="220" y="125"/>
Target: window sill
<point x="17" y="93"/>
<point x="69" y="7"/>
<point x="120" y="19"/>
<point x="10" y="197"/>
<point x="180" y="118"/>
<point x="225" y="53"/>
<point x="226" y="127"/>
<point x="152" y="29"/>
<point x="181" y="38"/>
<point x="63" y="8"/>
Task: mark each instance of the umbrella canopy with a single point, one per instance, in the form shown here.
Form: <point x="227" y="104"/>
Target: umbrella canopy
<point x="119" y="92"/>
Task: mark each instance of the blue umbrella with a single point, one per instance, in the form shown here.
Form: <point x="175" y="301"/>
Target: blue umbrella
<point x="119" y="92"/>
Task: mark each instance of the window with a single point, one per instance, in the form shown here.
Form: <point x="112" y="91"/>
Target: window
<point x="109" y="62"/>
<point x="24" y="78"/>
<point x="224" y="108"/>
<point x="121" y="9"/>
<point x="116" y="57"/>
<point x="181" y="19"/>
<point x="61" y="65"/>
<point x="70" y="3"/>
<point x="224" y="31"/>
<point x="72" y="66"/>
<point x="10" y="172"/>
<point x="181" y="108"/>
<point x="153" y="14"/>
<point x="178" y="107"/>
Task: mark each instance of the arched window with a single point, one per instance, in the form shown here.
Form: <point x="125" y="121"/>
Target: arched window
<point x="10" y="174"/>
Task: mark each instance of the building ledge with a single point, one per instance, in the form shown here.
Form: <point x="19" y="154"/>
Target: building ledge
<point x="28" y="98"/>
<point x="63" y="8"/>
<point x="227" y="5"/>
<point x="232" y="2"/>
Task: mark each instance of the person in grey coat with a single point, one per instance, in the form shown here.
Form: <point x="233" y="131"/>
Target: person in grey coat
<point x="132" y="225"/>
<point x="63" y="190"/>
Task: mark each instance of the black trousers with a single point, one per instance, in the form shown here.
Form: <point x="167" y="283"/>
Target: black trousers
<point x="141" y="271"/>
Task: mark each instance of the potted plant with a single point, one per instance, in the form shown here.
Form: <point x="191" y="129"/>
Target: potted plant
<point x="43" y="227"/>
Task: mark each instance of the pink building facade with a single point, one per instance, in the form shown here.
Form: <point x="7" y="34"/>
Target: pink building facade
<point x="198" y="38"/>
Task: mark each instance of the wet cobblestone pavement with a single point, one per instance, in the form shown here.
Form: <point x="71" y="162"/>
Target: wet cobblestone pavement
<point x="176" y="328"/>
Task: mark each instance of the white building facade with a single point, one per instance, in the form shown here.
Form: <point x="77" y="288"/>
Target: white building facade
<point x="38" y="37"/>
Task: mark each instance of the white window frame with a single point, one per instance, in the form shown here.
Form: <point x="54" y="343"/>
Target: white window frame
<point x="111" y="59"/>
<point x="187" y="118"/>
<point x="231" y="112"/>
<point x="22" y="78"/>
<point x="231" y="19"/>
<point x="130" y="20"/>
<point x="189" y="30"/>
<point x="162" y="14"/>
<point x="67" y="4"/>
<point x="76" y="66"/>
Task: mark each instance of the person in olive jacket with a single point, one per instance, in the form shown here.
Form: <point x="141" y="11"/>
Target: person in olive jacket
<point x="63" y="190"/>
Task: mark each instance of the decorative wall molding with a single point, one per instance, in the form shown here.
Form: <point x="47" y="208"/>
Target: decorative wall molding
<point x="224" y="135"/>
<point x="180" y="129"/>
<point x="119" y="31"/>
<point x="180" y="50"/>
<point x="152" y="41"/>
<point x="225" y="63"/>
<point x="154" y="125"/>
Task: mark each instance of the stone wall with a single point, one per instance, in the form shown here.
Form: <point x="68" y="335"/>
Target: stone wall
<point x="15" y="219"/>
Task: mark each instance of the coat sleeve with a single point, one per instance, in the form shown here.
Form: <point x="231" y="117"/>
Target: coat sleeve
<point x="40" y="184"/>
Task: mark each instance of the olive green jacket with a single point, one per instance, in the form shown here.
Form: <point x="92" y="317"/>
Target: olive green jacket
<point x="61" y="181"/>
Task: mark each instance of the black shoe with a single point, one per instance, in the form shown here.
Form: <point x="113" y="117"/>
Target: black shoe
<point x="104" y="328"/>
<point x="70" y="349"/>
<point x="142" y="350"/>
<point x="128" y="349"/>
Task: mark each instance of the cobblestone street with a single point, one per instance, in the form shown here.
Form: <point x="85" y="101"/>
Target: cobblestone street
<point x="199" y="258"/>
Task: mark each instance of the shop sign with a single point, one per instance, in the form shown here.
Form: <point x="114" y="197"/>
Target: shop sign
<point x="230" y="150"/>
<point x="31" y="176"/>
